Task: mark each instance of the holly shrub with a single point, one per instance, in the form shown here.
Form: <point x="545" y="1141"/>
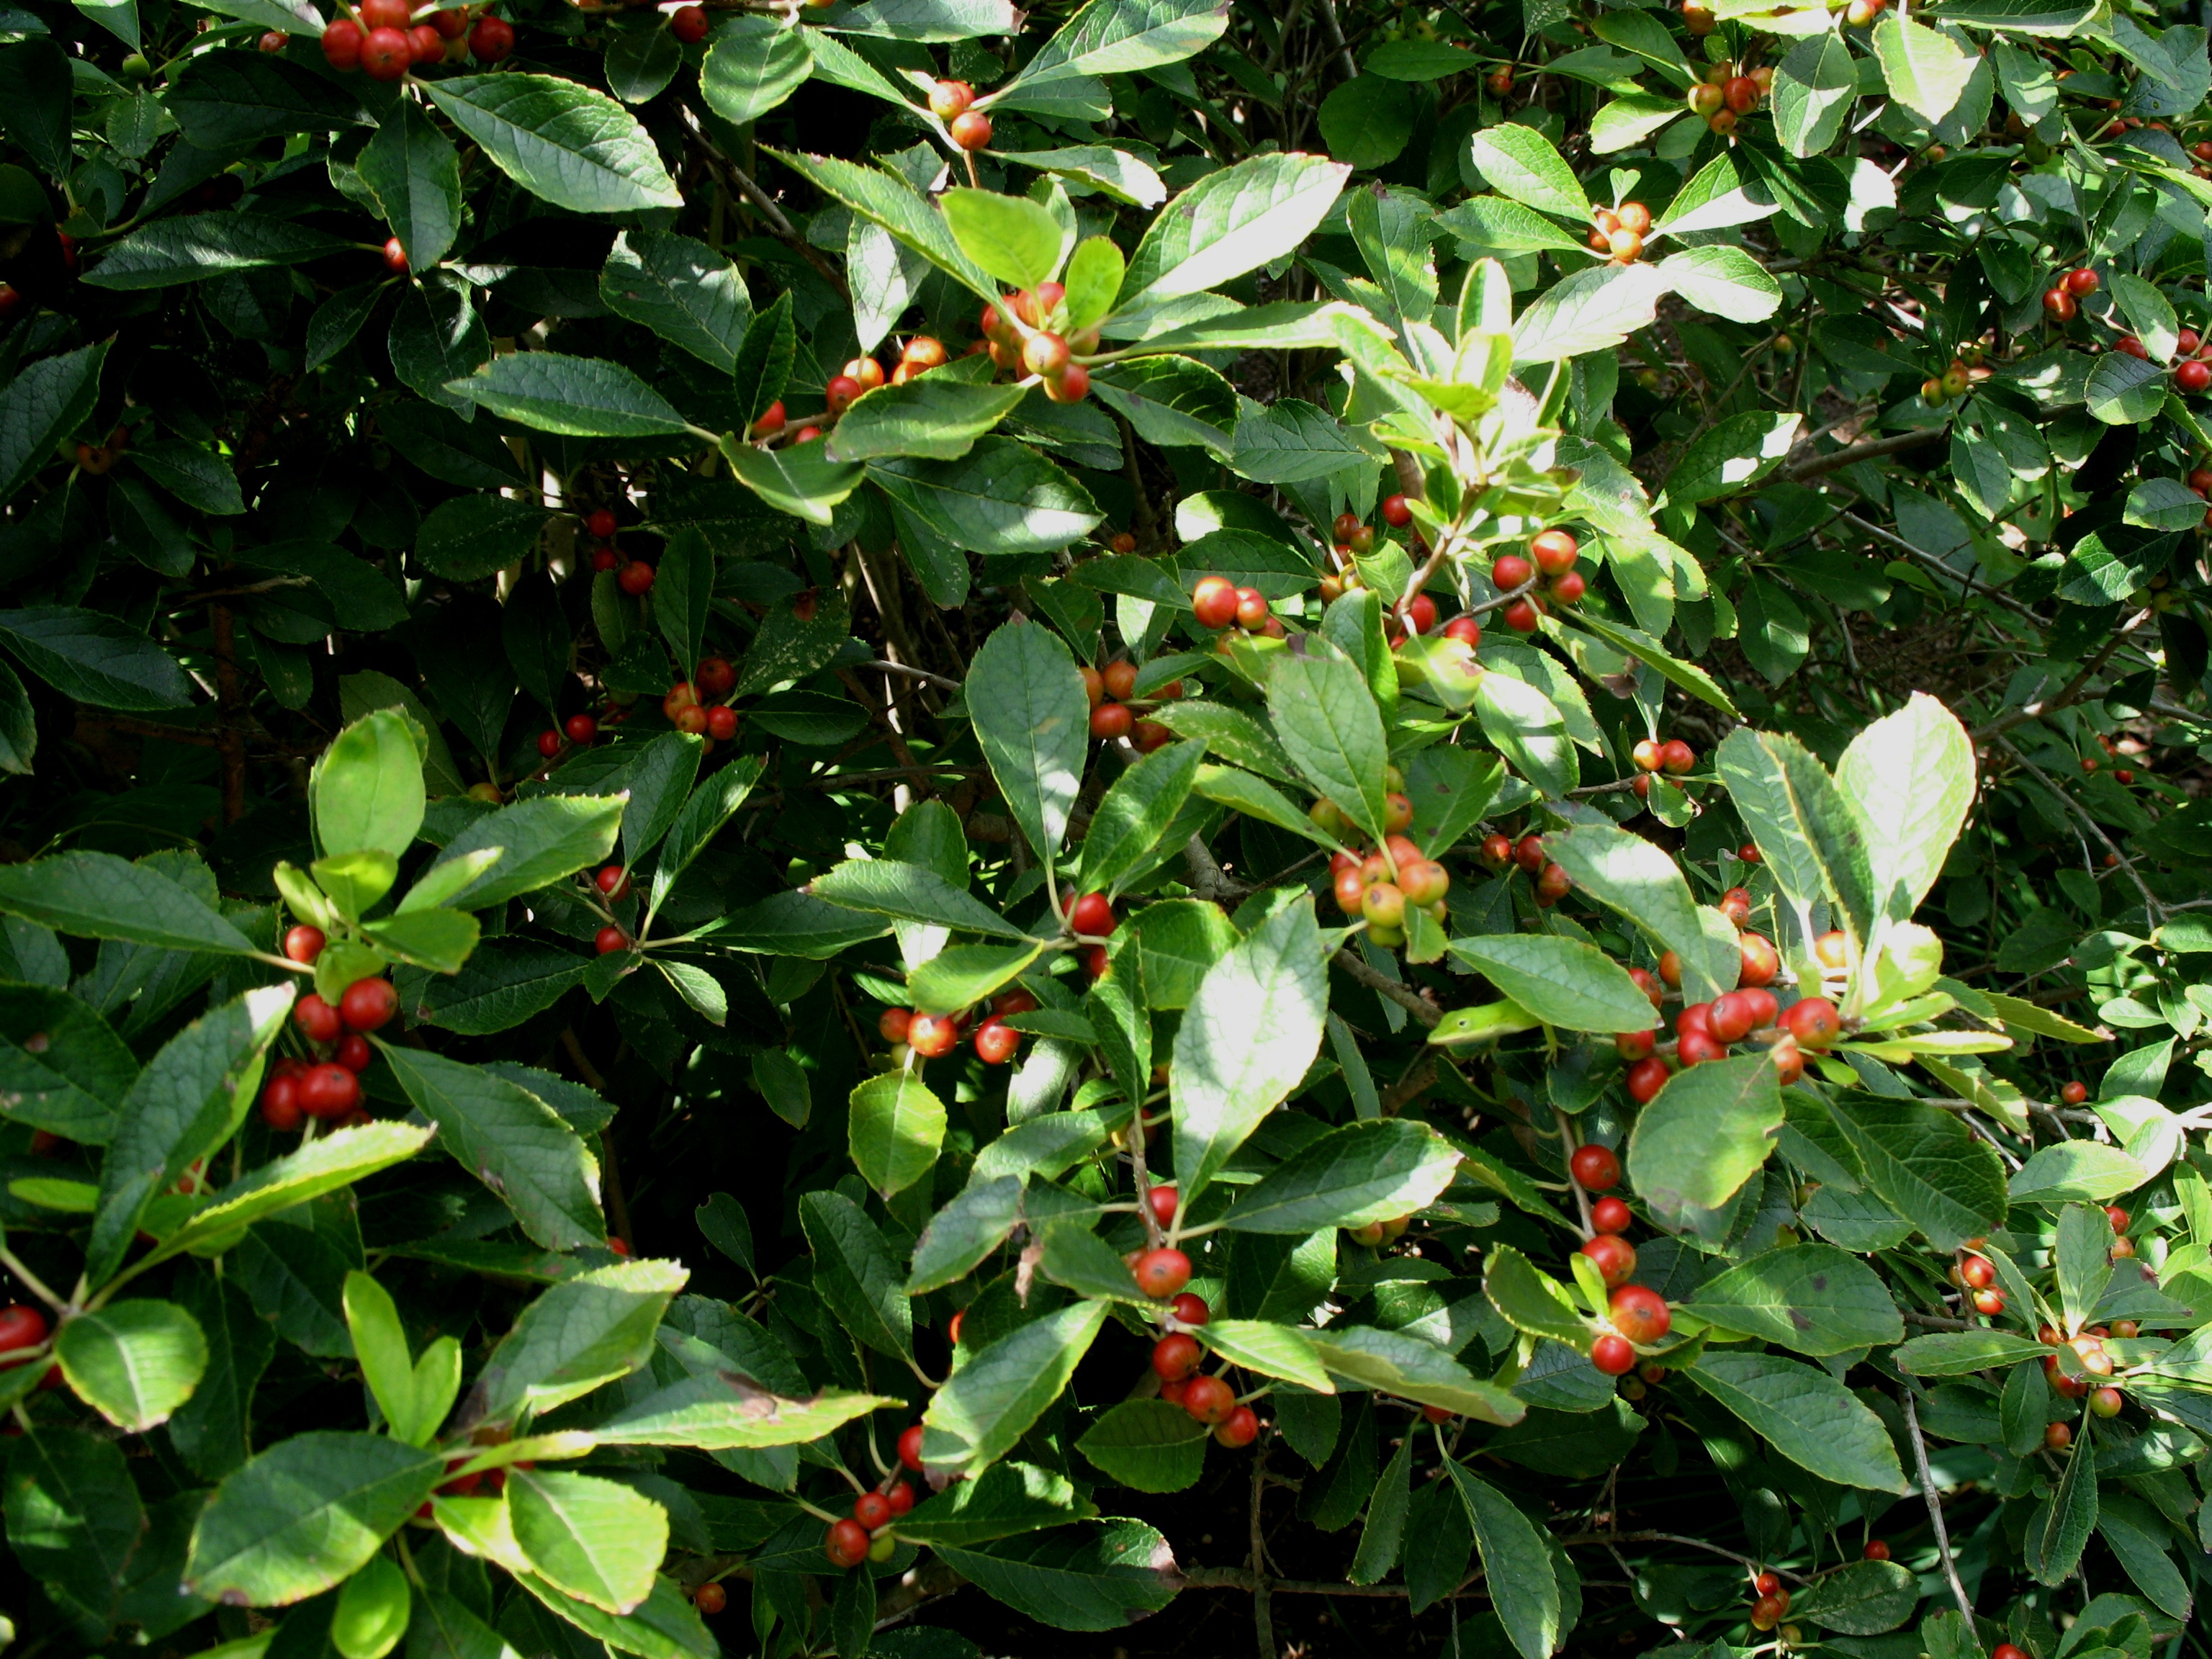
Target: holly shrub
<point x="874" y="830"/>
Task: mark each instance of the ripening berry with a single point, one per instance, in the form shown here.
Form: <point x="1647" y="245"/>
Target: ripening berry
<point x="1610" y="1215"/>
<point x="688" y="24"/>
<point x="387" y="54"/>
<point x="491" y="40"/>
<point x="1613" y="1355"/>
<point x="1209" y="1400"/>
<point x="304" y="944"/>
<point x="636" y="578"/>
<point x="1640" y="1314"/>
<point x="610" y="940"/>
<point x="1213" y="602"/>
<point x="1614" y="1256"/>
<point x="971" y="130"/>
<point x="1597" y="1168"/>
<point x="933" y="1036"/>
<point x="1160" y="1273"/>
<point x="2059" y="306"/>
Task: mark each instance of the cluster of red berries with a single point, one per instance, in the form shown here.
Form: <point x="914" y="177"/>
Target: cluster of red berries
<point x="613" y="882"/>
<point x="1724" y="97"/>
<point x="2060" y="301"/>
<point x="864" y="1534"/>
<point x="949" y="102"/>
<point x="1673" y="757"/>
<point x="2105" y="1399"/>
<point x="1091" y="915"/>
<point x="1639" y="1317"/>
<point x="1954" y="382"/>
<point x="1114" y="702"/>
<point x="1176" y="1357"/>
<point x="1977" y="1277"/>
<point x="934" y="1035"/>
<point x="1552" y="554"/>
<point x="1770" y="1601"/>
<point x="634" y="576"/>
<point x="860" y="377"/>
<point x="1380" y="887"/>
<point x="329" y="1088"/>
<point x="1596" y="1169"/>
<point x="1218" y="603"/>
<point x="1553" y="882"/>
<point x="697" y="705"/>
<point x="96" y="459"/>
<point x="1375" y="1233"/>
<point x="1026" y="333"/>
<point x="383" y="41"/>
<point x="1704" y="1031"/>
<point x="1619" y="232"/>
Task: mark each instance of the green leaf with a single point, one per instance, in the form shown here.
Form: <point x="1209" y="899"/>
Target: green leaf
<point x="1862" y="1598"/>
<point x="666" y="1626"/>
<point x="45" y="402"/>
<point x="1147" y="1445"/>
<point x="800" y="479"/>
<point x="891" y="888"/>
<point x="682" y="290"/>
<point x="982" y="1413"/>
<point x="597" y="1541"/>
<point x="1517" y="1565"/>
<point x="578" y="397"/>
<point x="896" y="1126"/>
<point x="1735" y="454"/>
<point x="415" y="173"/>
<point x="19" y="728"/>
<point x="1638" y="880"/>
<point x="1246" y="1040"/>
<point x="1075" y="1577"/>
<point x="2054" y="1547"/>
<point x="888" y="200"/>
<point x="935" y="417"/>
<point x="725" y="1411"/>
<point x="1705" y="1134"/>
<point x="710" y="806"/>
<point x="133" y="1362"/>
<point x="1806" y="831"/>
<point x="1032" y="721"/>
<point x="1006" y="1500"/>
<point x="169" y="252"/>
<point x="1391" y="1361"/>
<point x="539" y="841"/>
<point x="1561" y="981"/>
<point x="1001" y="497"/>
<point x="1527" y="728"/>
<point x="512" y="1141"/>
<point x="323" y="1166"/>
<point x="1229" y="223"/>
<point x="1120" y="37"/>
<point x="1125" y="832"/>
<point x="1172" y="401"/>
<point x="304" y="1515"/>
<point x="1329" y="726"/>
<point x="856" y="1275"/>
<point x="61" y="1068"/>
<point x="1592" y="310"/>
<point x="85" y="655"/>
<point x="1095" y="274"/>
<point x="74" y="1518"/>
<point x="1520" y="162"/>
<point x="753" y="66"/>
<point x="1927" y="1166"/>
<point x="1366" y="123"/>
<point x="1725" y="281"/>
<point x="1910" y="778"/>
<point x="1628" y="121"/>
<point x="367" y="790"/>
<point x="2124" y="390"/>
<point x="1805" y="1415"/>
<point x="1926" y="71"/>
<point x="99" y="896"/>
<point x="572" y="146"/>
<point x="1272" y="1349"/>
<point x="2083" y="1170"/>
<point x="585" y="1331"/>
<point x="1363" y="1172"/>
<point x="373" y="1611"/>
<point x="1815" y="84"/>
<point x="191" y="1098"/>
<point x="958" y="1237"/>
<point x="1954" y="1353"/>
<point x="1010" y="237"/>
<point x="1814" y="1299"/>
<point x="380" y="1345"/>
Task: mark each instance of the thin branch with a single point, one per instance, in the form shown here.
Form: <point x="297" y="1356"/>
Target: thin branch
<point x="1336" y="34"/>
<point x="1935" y="1508"/>
<point x="760" y="198"/>
<point x="914" y="673"/>
<point x="1405" y="996"/>
<point x="1873" y="450"/>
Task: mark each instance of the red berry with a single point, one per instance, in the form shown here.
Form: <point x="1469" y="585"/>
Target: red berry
<point x="1730" y="1017"/>
<point x="2073" y="1092"/>
<point x="21" y="1327"/>
<point x="2007" y="1650"/>
<point x="1396" y="512"/>
<point x="1095" y="961"/>
<point x="1209" y="1399"/>
<point x="429" y="47"/>
<point x="689" y="25"/>
<point x="872" y="1509"/>
<point x="581" y="729"/>
<point x="636" y="578"/>
<point x="1176" y="1356"/>
<point x="548" y="743"/>
<point x="328" y="1090"/>
<point x="613" y="881"/>
<point x="368" y="1005"/>
<point x="949" y="100"/>
<point x="1610" y="1215"/>
<point x="971" y="130"/>
<point x="318" y="1021"/>
<point x="1875" y="1550"/>
<point x="1766" y="1584"/>
<point x="710" y="1598"/>
<point x="1240" y="1428"/>
<point x="1815" y="1022"/>
<point x="1613" y="1355"/>
<point x="341" y="43"/>
<point x="1555" y="552"/>
<point x="491" y="39"/>
<point x="1112" y="720"/>
<point x="1569" y="588"/>
<point x="1162" y="1202"/>
<point x="304" y="944"/>
<point x="1214" y="601"/>
<point x="933" y="1036"/>
<point x="901" y="1497"/>
<point x="1251" y="608"/>
<point x="1509" y="572"/>
<point x="1614" y="1256"/>
<point x="354" y="1052"/>
<point x="1597" y="1168"/>
<point x="909" y="1447"/>
<point x="2083" y="282"/>
<point x="2193" y="376"/>
<point x="846" y="1546"/>
<point x="450" y="23"/>
<point x="996" y="1042"/>
<point x="2117" y="1216"/>
<point x="610" y="940"/>
<point x="280" y="1102"/>
<point x="387" y="54"/>
<point x="1465" y="629"/>
<point x="1642" y="1316"/>
<point x="1522" y="617"/>
<point x="395" y="254"/>
<point x="1092" y="914"/>
<point x="1677" y="756"/>
<point x="1760" y="961"/>
<point x="891" y="1025"/>
<point x="1160" y="1273"/>
<point x="1189" y="1307"/>
<point x="2059" y="305"/>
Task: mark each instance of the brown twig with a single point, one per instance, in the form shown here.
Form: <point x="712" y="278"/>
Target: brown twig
<point x="1405" y="996"/>
<point x="784" y="232"/>
<point x="1873" y="450"/>
<point x="1934" y="1509"/>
